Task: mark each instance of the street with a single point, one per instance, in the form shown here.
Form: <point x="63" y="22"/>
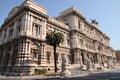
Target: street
<point x="108" y="75"/>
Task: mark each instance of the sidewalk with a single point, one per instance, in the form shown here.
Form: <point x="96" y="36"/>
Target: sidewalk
<point x="47" y="77"/>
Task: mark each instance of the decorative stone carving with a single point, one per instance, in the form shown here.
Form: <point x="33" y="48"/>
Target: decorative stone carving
<point x="65" y="67"/>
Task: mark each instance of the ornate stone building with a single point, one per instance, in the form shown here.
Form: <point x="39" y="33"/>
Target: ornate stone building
<point x="23" y="47"/>
<point x="118" y="56"/>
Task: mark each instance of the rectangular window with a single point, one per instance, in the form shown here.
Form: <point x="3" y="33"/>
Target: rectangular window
<point x="62" y="57"/>
<point x="18" y="29"/>
<point x="68" y="40"/>
<point x="48" y="57"/>
<point x="57" y="57"/>
<point x="81" y="42"/>
<point x="36" y="29"/>
<point x="34" y="55"/>
<point x="79" y="25"/>
<point x="10" y="33"/>
<point x="5" y="33"/>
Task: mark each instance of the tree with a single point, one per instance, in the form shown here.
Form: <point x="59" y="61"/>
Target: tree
<point x="54" y="38"/>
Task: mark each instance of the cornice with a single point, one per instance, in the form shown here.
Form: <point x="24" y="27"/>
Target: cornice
<point x="58" y="24"/>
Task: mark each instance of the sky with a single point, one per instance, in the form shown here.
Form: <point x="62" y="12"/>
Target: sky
<point x="106" y="12"/>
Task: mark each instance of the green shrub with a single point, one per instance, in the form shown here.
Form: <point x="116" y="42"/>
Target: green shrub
<point x="50" y="74"/>
<point x="40" y="71"/>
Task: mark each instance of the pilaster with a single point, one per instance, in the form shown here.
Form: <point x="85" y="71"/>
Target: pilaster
<point x="43" y="60"/>
<point x="77" y="57"/>
<point x="2" y="37"/>
<point x="43" y="29"/>
<point x="14" y="29"/>
<point x="7" y="34"/>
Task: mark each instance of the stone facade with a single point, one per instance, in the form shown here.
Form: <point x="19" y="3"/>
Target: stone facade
<point x="23" y="47"/>
<point x="118" y="56"/>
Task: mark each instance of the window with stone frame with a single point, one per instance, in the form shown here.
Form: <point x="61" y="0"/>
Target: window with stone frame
<point x="81" y="42"/>
<point x="10" y="33"/>
<point x="83" y="58"/>
<point x="95" y="58"/>
<point x="79" y="25"/>
<point x="68" y="40"/>
<point x="69" y="56"/>
<point x="63" y="58"/>
<point x="36" y="29"/>
<point x="34" y="54"/>
<point x="87" y="45"/>
<point x="48" y="54"/>
<point x="19" y="20"/>
<point x="62" y="55"/>
<point x="5" y="31"/>
<point x="72" y="57"/>
<point x="57" y="57"/>
<point x="19" y="27"/>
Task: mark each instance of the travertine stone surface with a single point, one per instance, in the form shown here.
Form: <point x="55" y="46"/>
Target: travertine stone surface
<point x="23" y="47"/>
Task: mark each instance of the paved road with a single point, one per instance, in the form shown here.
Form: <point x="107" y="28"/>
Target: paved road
<point x="99" y="76"/>
<point x="109" y="75"/>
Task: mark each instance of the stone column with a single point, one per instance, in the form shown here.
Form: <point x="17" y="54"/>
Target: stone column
<point x="29" y="49"/>
<point x="101" y="60"/>
<point x="26" y="22"/>
<point x="85" y="58"/>
<point x="81" y="63"/>
<point x="98" y="58"/>
<point x="31" y="24"/>
<point x="77" y="57"/>
<point x="43" y="60"/>
<point x="43" y="29"/>
<point x="23" y="24"/>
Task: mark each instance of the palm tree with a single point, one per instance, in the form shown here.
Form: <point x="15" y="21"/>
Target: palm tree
<point x="54" y="38"/>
